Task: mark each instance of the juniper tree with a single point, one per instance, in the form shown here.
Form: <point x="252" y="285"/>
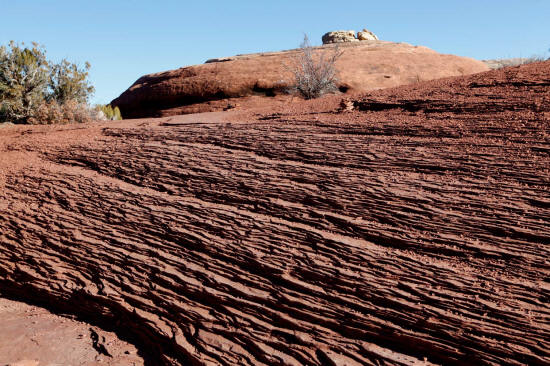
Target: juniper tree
<point x="23" y="81"/>
<point x="28" y="81"/>
<point x="69" y="82"/>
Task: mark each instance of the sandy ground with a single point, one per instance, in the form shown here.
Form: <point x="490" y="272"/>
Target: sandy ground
<point x="32" y="336"/>
<point x="412" y="229"/>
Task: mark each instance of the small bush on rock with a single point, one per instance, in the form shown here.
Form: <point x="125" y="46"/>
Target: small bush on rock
<point x="314" y="74"/>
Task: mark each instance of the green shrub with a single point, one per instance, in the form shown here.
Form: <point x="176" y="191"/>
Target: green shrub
<point x="110" y="113"/>
<point x="69" y="82"/>
<point x="23" y="81"/>
<point x="28" y="81"/>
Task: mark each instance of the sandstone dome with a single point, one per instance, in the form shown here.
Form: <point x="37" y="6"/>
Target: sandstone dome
<point x="364" y="66"/>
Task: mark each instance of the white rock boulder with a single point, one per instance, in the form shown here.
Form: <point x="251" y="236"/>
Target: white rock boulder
<point x="366" y="35"/>
<point x="339" y="37"/>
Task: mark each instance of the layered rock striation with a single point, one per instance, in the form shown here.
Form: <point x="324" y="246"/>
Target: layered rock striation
<point x="411" y="230"/>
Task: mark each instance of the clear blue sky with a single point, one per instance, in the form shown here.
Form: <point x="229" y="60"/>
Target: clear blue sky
<point x="125" y="39"/>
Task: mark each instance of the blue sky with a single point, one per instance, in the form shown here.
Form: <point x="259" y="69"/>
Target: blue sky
<point x="126" y="39"/>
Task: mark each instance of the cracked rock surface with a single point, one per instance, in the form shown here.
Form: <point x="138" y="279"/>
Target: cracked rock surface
<point x="411" y="230"/>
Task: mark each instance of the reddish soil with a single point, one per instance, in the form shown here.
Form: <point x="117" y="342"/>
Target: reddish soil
<point x="32" y="336"/>
<point x="413" y="229"/>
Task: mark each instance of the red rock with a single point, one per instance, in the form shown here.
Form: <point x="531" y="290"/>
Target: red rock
<point x="412" y="229"/>
<point x="363" y="66"/>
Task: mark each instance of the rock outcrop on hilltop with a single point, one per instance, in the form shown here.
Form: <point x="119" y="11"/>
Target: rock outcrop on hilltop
<point x="348" y="36"/>
<point x="339" y="37"/>
<point x="364" y="66"/>
<point x="366" y="35"/>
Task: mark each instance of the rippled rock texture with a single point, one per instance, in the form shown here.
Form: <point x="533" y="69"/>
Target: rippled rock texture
<point x="414" y="229"/>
